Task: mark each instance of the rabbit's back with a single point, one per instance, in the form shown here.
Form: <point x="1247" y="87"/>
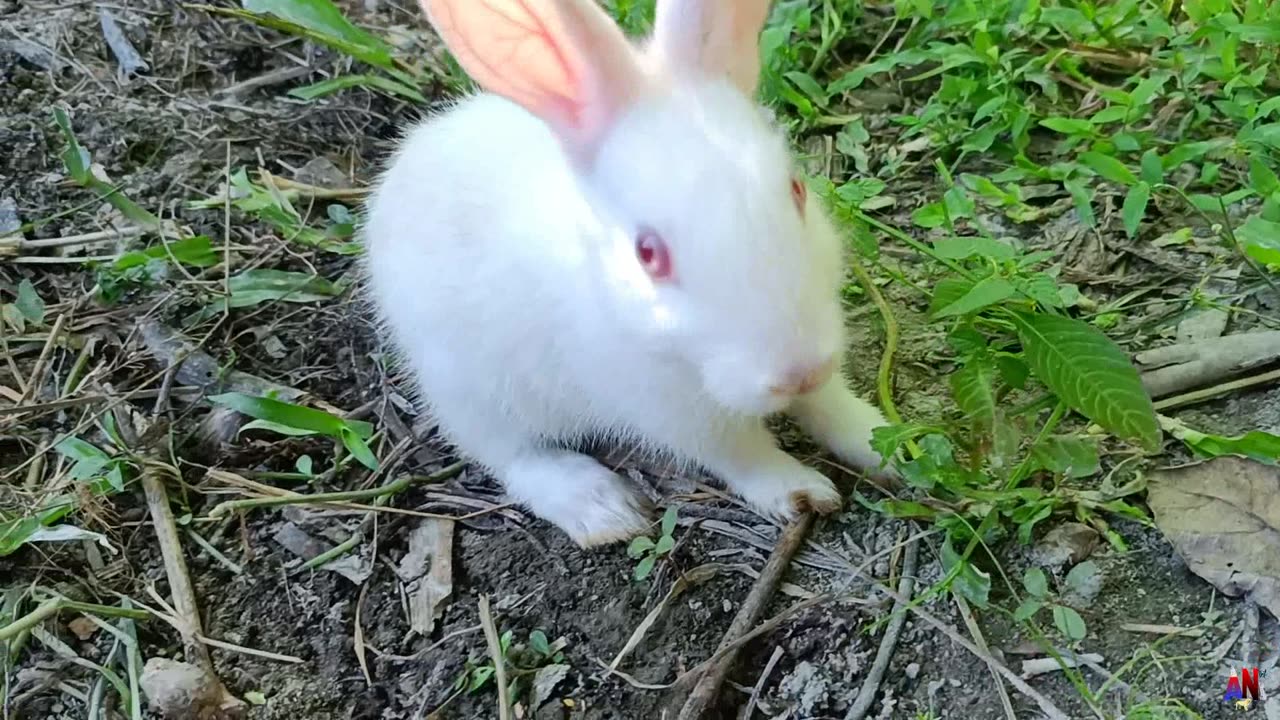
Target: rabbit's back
<point x="476" y="240"/>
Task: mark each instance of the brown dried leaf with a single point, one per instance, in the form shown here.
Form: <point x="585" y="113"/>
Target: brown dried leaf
<point x="1223" y="518"/>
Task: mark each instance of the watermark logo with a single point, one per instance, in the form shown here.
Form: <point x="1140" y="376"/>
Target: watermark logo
<point x="1243" y="691"/>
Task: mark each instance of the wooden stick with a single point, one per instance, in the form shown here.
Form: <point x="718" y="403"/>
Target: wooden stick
<point x="187" y="612"/>
<point x="495" y="654"/>
<point x="708" y="686"/>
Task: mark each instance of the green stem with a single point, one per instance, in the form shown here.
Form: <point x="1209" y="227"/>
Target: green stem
<point x="53" y="606"/>
<point x="333" y="552"/>
<point x="345" y="496"/>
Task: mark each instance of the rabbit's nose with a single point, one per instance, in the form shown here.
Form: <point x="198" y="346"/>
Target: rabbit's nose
<point x="805" y="378"/>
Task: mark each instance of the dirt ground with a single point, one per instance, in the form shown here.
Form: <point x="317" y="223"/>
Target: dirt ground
<point x="167" y="135"/>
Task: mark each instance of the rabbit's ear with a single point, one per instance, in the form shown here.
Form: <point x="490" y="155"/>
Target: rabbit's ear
<point x="565" y="61"/>
<point x="713" y="37"/>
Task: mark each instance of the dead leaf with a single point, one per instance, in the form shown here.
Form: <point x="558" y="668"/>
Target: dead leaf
<point x="430" y="544"/>
<point x="83" y="627"/>
<point x="1223" y="518"/>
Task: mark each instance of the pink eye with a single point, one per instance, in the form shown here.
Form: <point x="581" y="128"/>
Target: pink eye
<point x="798" y="192"/>
<point x="653" y="255"/>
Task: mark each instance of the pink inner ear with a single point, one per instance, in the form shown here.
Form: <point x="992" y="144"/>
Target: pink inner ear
<point x="717" y="37"/>
<point x="562" y="60"/>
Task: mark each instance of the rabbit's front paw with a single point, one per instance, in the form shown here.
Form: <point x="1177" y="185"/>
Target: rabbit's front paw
<point x="590" y="503"/>
<point x="785" y="495"/>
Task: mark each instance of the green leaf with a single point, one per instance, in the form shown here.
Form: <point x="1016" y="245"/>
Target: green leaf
<point x="930" y="216"/>
<point x="303" y="464"/>
<point x="1069" y="623"/>
<point x="325" y="19"/>
<point x="253" y="287"/>
<point x="1084" y="368"/>
<point x="1068" y="455"/>
<point x="344" y="82"/>
<point x="664" y="545"/>
<point x="1262" y="178"/>
<point x="16" y="531"/>
<point x="969" y="581"/>
<point x="195" y="251"/>
<point x="639" y="546"/>
<point x="1261" y="240"/>
<point x="1081" y="576"/>
<point x="1152" y="167"/>
<point x="1013" y="371"/>
<point x="1083" y="201"/>
<point x="947" y="291"/>
<point x="276" y="427"/>
<point x="887" y="439"/>
<point x="985" y="293"/>
<point x="1255" y="444"/>
<point x="538" y="641"/>
<point x="78" y="164"/>
<point x="645" y="566"/>
<point x="89" y="460"/>
<point x="1036" y="583"/>
<point x="1068" y="126"/>
<point x="358" y="448"/>
<point x="669" y="521"/>
<point x="1027" y="610"/>
<point x="29" y="302"/>
<point x="971" y="386"/>
<point x="1135" y="207"/>
<point x="1108" y="167"/>
<point x="963" y="248"/>
<point x="291" y="415"/>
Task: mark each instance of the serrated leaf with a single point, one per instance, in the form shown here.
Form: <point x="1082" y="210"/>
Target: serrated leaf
<point x="1108" y="167"/>
<point x="983" y="294"/>
<point x="887" y="439"/>
<point x="1073" y="456"/>
<point x="1135" y="207"/>
<point x="1013" y="371"/>
<point x="1084" y="368"/>
<point x="1069" y="623"/>
<point x="947" y="291"/>
<point x="1036" y="583"/>
<point x="971" y="386"/>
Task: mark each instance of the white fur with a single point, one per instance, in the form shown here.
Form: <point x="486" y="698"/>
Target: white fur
<point x="509" y="283"/>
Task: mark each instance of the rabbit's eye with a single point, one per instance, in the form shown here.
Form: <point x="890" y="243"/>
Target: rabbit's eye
<point x="798" y="192"/>
<point x="653" y="255"/>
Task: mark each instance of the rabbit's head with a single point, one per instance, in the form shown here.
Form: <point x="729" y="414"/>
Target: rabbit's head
<point x="712" y="248"/>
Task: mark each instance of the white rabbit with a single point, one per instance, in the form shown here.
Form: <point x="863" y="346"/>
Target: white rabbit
<point x="611" y="242"/>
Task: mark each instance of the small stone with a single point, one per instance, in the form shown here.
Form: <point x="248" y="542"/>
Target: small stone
<point x="913" y="670"/>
